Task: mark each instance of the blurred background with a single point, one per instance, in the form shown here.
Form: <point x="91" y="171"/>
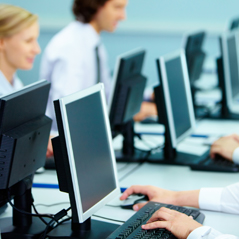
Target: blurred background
<point x="158" y="26"/>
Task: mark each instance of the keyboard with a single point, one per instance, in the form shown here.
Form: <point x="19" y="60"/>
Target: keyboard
<point x="132" y="228"/>
<point x="216" y="165"/>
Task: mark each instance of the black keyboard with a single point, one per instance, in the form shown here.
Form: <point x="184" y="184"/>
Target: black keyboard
<point x="217" y="165"/>
<point x="132" y="228"/>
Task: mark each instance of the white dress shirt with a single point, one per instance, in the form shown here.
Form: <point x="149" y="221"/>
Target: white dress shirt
<point x="209" y="233"/>
<point x="6" y="87"/>
<point x="69" y="63"/>
<point x="235" y="156"/>
<point x="217" y="199"/>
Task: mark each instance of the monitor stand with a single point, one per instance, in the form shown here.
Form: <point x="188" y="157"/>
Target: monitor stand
<point x="129" y="153"/>
<point x="21" y="225"/>
<point x="90" y="229"/>
<point x="176" y="158"/>
<point x="224" y="111"/>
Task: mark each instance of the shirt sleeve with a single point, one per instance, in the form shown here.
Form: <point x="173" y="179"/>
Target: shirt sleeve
<point x="106" y="77"/>
<point x="64" y="72"/>
<point x="235" y="156"/>
<point x="210" y="199"/>
<point x="220" y="199"/>
<point x="209" y="233"/>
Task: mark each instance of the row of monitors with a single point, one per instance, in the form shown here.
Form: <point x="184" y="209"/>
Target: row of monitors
<point x="83" y="149"/>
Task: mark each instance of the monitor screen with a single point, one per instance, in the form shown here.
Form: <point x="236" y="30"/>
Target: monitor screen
<point x="177" y="93"/>
<point x="230" y="55"/>
<point x="233" y="65"/>
<point x="178" y="96"/>
<point x="89" y="149"/>
<point x="128" y="88"/>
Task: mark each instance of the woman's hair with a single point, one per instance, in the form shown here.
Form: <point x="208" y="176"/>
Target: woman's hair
<point x="13" y="19"/>
<point x="84" y="10"/>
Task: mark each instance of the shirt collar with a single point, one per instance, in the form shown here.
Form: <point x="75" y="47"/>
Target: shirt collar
<point x="93" y="36"/>
<point x="5" y="83"/>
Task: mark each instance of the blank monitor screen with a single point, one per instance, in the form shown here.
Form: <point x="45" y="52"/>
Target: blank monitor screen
<point x="91" y="149"/>
<point x="178" y="96"/>
<point x="233" y="65"/>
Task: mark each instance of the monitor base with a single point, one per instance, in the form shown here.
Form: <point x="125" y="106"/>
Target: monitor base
<point x="138" y="157"/>
<point x="181" y="158"/>
<point x="99" y="229"/>
<point x="219" y="116"/>
<point x="33" y="231"/>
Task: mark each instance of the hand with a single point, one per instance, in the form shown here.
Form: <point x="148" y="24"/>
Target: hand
<point x="147" y="109"/>
<point x="179" y="224"/>
<point x="225" y="146"/>
<point x="49" y="152"/>
<point x="154" y="194"/>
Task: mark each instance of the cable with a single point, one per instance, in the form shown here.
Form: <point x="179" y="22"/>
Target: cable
<point x="110" y="219"/>
<point x="139" y="165"/>
<point x="54" y="222"/>
<point x="35" y="210"/>
<point x="112" y="205"/>
<point x="27" y="213"/>
<point x="123" y="167"/>
<point x="51" y="205"/>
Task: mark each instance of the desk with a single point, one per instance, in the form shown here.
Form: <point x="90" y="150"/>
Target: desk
<point x="169" y="177"/>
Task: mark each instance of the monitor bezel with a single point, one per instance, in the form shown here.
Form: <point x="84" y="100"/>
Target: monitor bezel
<point x="83" y="216"/>
<point x="227" y="75"/>
<point x="164" y="78"/>
<point x="116" y="72"/>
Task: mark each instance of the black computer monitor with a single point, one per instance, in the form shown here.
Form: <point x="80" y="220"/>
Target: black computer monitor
<point x="125" y="101"/>
<point x="195" y="56"/>
<point x="24" y="135"/>
<point x="175" y="109"/>
<point x="234" y="24"/>
<point x="85" y="161"/>
<point x="228" y="75"/>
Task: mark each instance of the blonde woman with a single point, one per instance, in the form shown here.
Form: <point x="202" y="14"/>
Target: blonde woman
<point x="19" y="31"/>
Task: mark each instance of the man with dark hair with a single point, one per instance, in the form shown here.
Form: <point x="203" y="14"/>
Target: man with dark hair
<point x="75" y="58"/>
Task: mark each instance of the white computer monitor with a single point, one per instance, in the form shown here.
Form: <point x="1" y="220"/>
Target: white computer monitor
<point x="85" y="129"/>
<point x="230" y="56"/>
<point x="177" y="96"/>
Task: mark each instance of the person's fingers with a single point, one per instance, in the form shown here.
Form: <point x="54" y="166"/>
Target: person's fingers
<point x="234" y="136"/>
<point x="138" y="206"/>
<point x="134" y="190"/>
<point x="215" y="149"/>
<point x="157" y="224"/>
<point x="161" y="215"/>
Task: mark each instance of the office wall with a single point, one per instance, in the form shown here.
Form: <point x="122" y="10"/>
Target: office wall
<point x="156" y="25"/>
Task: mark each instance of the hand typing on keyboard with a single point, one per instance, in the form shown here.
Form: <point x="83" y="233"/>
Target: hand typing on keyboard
<point x="225" y="146"/>
<point x="184" y="198"/>
<point x="179" y="224"/>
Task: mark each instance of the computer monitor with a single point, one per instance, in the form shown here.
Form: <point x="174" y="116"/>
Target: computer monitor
<point x="174" y="105"/>
<point x="195" y="56"/>
<point x="85" y="161"/>
<point x="228" y="75"/>
<point x="24" y="135"/>
<point x="125" y="101"/>
<point x="234" y="24"/>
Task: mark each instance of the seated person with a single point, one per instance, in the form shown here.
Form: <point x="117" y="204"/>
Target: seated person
<point x="182" y="226"/>
<point x="76" y="58"/>
<point x="228" y="147"/>
<point x="19" y="31"/>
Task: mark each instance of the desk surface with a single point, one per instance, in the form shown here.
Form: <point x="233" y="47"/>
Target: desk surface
<point x="169" y="177"/>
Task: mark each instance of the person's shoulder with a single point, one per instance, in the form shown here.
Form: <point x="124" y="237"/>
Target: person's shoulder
<point x="65" y="42"/>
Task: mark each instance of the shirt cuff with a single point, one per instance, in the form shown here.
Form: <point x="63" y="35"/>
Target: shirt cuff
<point x="204" y="232"/>
<point x="210" y="199"/>
<point x="199" y="232"/>
<point x="235" y="156"/>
